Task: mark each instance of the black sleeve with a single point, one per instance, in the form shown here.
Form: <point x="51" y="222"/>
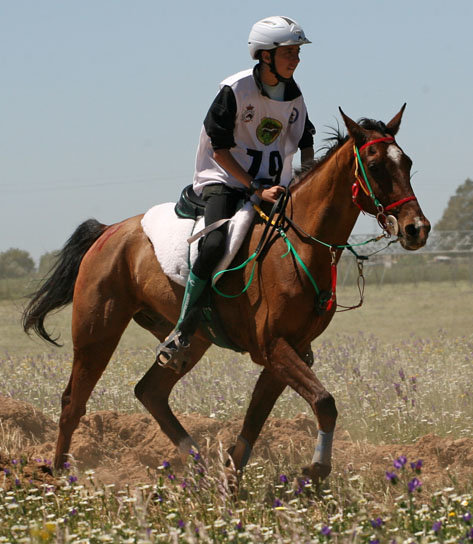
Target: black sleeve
<point x="307" y="139"/>
<point x="219" y="122"/>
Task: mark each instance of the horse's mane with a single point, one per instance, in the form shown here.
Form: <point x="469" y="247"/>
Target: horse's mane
<point x="333" y="142"/>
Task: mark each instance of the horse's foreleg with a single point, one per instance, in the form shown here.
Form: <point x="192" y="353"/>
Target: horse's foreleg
<point x="153" y="392"/>
<point x="288" y="367"/>
<point x="265" y="394"/>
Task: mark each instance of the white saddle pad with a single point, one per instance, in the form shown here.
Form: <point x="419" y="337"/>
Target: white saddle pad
<point x="169" y="233"/>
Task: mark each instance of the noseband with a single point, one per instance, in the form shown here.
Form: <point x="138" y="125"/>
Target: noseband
<point x="362" y="181"/>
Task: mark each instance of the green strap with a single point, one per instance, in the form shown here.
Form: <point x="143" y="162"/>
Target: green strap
<point x="341" y="246"/>
<point x="292" y="250"/>
<point x="377" y="203"/>
<point x="251" y="258"/>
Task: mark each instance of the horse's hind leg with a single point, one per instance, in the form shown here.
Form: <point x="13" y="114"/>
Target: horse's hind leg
<point x="153" y="392"/>
<point x="92" y="352"/>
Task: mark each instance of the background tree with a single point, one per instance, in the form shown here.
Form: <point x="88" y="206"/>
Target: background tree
<point x="15" y="263"/>
<point x="458" y="215"/>
<point x="46" y="262"/>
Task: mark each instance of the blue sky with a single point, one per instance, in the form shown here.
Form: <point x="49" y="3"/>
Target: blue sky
<point x="102" y="100"/>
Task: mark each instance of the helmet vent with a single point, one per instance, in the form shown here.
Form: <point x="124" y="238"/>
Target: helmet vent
<point x="288" y="21"/>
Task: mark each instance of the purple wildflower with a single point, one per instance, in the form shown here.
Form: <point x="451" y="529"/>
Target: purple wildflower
<point x="166" y="464"/>
<point x="67" y="465"/>
<point x="376" y="523"/>
<point x="397" y="387"/>
<point x="400" y="462"/>
<point x="277" y="503"/>
<point x="14" y="462"/>
<point x="239" y="526"/>
<point x="181" y="524"/>
<point x="374" y="541"/>
<point x="413" y="485"/>
<point x="17" y="482"/>
<point x="283" y="478"/>
<point x="436" y="526"/>
<point x="326" y="531"/>
<point x="6" y="472"/>
<point x="72" y="479"/>
<point x="73" y="512"/>
<point x="195" y="455"/>
<point x="469" y="534"/>
<point x="184" y="484"/>
<point x="171" y="476"/>
<point x="417" y="465"/>
<point x="467" y="517"/>
<point x="392" y="477"/>
<point x="401" y="374"/>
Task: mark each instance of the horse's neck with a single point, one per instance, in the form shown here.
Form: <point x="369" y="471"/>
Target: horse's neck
<point x="322" y="202"/>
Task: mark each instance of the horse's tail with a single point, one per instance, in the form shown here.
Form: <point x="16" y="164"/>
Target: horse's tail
<point x="58" y="288"/>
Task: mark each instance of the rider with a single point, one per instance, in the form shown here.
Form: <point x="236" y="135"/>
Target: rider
<point x="249" y="136"/>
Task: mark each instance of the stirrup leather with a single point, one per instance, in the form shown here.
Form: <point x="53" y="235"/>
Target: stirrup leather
<point x="172" y="352"/>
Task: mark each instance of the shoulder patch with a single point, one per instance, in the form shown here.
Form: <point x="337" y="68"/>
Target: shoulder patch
<point x="248" y="113"/>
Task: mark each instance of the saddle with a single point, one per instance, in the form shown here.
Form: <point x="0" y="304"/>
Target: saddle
<point x="189" y="205"/>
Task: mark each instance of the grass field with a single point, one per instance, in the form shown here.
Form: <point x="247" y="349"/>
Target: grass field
<point x="400" y="367"/>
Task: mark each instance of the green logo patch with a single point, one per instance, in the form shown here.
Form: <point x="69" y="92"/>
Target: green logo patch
<point x="268" y="130"/>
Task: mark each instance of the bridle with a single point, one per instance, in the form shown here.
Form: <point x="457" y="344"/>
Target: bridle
<point x="386" y="222"/>
<point x="325" y="299"/>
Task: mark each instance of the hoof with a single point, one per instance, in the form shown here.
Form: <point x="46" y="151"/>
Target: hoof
<point x="232" y="478"/>
<point x="317" y="472"/>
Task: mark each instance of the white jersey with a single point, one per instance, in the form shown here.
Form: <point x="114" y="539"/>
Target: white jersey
<point x="266" y="135"/>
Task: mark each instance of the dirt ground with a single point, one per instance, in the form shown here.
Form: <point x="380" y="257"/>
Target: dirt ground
<point x="121" y="447"/>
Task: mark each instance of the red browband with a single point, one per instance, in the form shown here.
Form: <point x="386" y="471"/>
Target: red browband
<point x="371" y="142"/>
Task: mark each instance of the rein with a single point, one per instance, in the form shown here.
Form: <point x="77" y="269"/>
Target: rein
<point x="325" y="299"/>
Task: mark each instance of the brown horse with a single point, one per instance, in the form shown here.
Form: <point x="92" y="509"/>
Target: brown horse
<point x="111" y="275"/>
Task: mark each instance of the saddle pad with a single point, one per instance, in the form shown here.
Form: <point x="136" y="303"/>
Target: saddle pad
<point x="169" y="233"/>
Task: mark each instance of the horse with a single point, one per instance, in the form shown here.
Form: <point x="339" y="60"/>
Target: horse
<point x="110" y="274"/>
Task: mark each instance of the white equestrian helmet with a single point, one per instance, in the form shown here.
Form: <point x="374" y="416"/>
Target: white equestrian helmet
<point x="272" y="32"/>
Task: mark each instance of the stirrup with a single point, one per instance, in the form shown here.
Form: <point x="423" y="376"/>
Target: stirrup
<point x="171" y="352"/>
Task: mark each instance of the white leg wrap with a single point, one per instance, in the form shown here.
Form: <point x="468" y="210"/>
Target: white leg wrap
<point x="323" y="449"/>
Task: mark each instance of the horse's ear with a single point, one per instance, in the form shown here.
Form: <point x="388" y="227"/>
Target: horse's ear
<point x="394" y="124"/>
<point x="358" y="133"/>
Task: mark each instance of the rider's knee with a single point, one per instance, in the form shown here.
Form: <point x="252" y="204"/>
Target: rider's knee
<point x="214" y="243"/>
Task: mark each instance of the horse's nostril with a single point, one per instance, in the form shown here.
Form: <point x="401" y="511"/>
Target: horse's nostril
<point x="411" y="230"/>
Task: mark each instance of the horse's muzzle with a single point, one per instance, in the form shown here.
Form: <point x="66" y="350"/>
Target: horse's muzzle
<point x="413" y="233"/>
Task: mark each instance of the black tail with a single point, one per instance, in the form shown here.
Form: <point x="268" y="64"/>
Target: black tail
<point x="58" y="287"/>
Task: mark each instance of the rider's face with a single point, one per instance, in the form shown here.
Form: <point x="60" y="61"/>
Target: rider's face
<point x="286" y="59"/>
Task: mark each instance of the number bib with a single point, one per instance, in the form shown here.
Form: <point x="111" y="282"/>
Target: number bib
<point x="266" y="134"/>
